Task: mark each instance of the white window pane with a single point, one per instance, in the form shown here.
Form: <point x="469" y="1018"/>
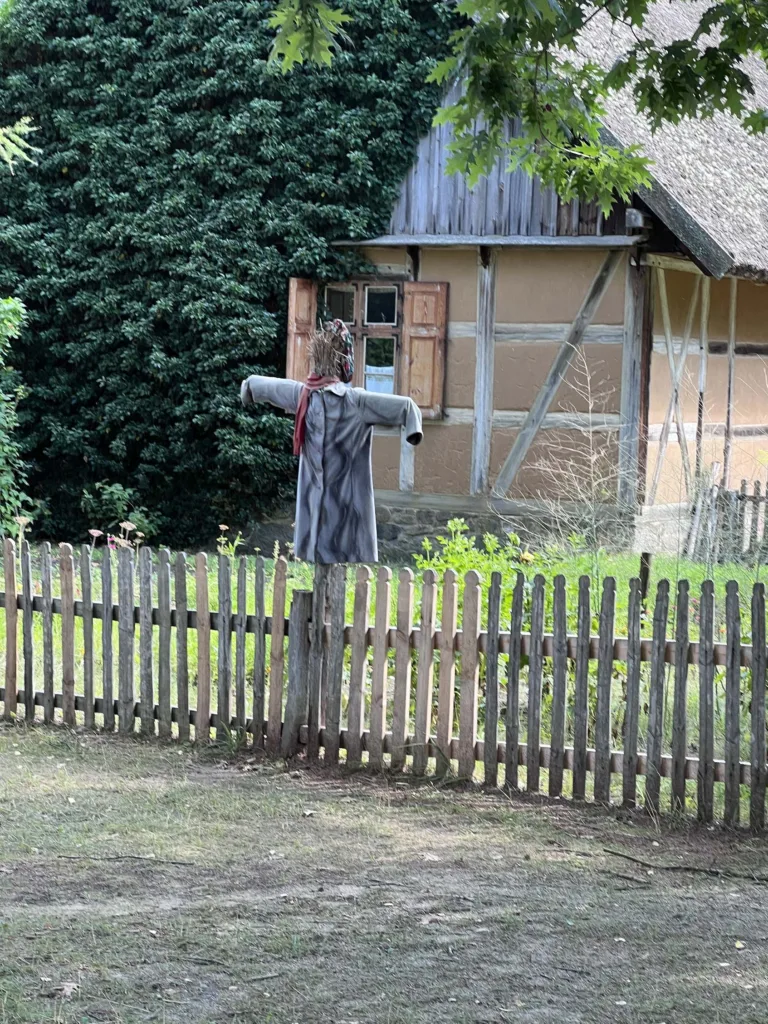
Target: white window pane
<point x="380" y="365"/>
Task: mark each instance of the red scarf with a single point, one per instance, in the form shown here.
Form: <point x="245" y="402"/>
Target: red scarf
<point x="314" y="382"/>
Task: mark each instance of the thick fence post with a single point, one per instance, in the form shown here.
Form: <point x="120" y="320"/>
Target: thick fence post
<point x="632" y="713"/>
<point x="706" y="773"/>
<point x="603" y="706"/>
<point x="559" y="680"/>
<point x="581" y="692"/>
<point x="680" y="706"/>
<point x="732" y="702"/>
<point x="758" y="769"/>
<point x="11" y="627"/>
<point x="298" y="672"/>
<point x="67" y="573"/>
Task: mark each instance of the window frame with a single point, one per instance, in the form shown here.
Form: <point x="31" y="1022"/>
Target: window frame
<point x="360" y="330"/>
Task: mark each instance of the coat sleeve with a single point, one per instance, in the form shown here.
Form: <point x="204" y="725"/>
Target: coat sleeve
<point x="282" y="393"/>
<point x="392" y="411"/>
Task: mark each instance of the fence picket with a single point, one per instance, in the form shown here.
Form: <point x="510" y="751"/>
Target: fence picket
<point x="401" y="701"/>
<point x="202" y="606"/>
<point x="559" y="685"/>
<point x="126" y="634"/>
<point x="259" y="657"/>
<point x="425" y="673"/>
<point x="316" y="660"/>
<point x="604" y="679"/>
<point x="632" y="711"/>
<point x="277" y="657"/>
<point x="732" y="701"/>
<point x="656" y="698"/>
<point x="706" y="771"/>
<point x="146" y="681"/>
<point x="470" y="632"/>
<point x="535" y="667"/>
<point x="224" y="659"/>
<point x="357" y="666"/>
<point x="86" y="590"/>
<point x="380" y="670"/>
<point x="447" y="678"/>
<point x="164" y="726"/>
<point x="512" y="723"/>
<point x="182" y="650"/>
<point x="338" y="604"/>
<point x="46" y="570"/>
<point x="491" y="726"/>
<point x="581" y="691"/>
<point x="242" y="598"/>
<point x="680" y="705"/>
<point x="757" y="747"/>
<point x="298" y="672"/>
<point x="26" y="624"/>
<point x="107" y="684"/>
<point x="67" y="577"/>
<point x="11" y="631"/>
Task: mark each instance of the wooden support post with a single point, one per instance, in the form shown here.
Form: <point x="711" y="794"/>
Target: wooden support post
<point x="635" y="302"/>
<point x="298" y="672"/>
<point x="482" y="425"/>
<point x="728" y="447"/>
<point x="703" y="357"/>
<point x="546" y="393"/>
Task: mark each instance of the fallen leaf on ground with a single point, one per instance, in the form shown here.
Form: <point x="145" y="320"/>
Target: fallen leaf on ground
<point x="739" y="944"/>
<point x="63" y="991"/>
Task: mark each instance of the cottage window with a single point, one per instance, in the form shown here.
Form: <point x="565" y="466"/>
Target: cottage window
<point x="399" y="331"/>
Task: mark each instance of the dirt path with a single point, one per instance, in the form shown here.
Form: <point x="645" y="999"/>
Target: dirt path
<point x="139" y="883"/>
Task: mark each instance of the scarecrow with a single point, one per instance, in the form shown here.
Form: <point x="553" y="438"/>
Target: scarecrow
<point x="335" y="512"/>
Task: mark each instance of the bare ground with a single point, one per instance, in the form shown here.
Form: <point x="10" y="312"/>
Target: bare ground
<point x="140" y="882"/>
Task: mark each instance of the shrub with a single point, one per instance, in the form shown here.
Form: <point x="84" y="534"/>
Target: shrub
<point x="12" y="475"/>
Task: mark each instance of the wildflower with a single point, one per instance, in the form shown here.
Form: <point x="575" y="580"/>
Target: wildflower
<point x="223" y="527"/>
<point x="22" y="521"/>
<point x="527" y="557"/>
<point x="96" y="533"/>
<point x="127" y="526"/>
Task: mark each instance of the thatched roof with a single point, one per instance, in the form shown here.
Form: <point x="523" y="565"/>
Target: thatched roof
<point x="711" y="176"/>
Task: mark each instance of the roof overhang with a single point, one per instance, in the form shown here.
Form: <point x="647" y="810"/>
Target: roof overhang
<point x="502" y="241"/>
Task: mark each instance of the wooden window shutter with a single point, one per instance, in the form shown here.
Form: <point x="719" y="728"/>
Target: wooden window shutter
<point x="425" y="309"/>
<point x="302" y="321"/>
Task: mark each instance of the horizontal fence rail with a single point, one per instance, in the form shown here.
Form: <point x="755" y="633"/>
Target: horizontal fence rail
<point x="447" y="689"/>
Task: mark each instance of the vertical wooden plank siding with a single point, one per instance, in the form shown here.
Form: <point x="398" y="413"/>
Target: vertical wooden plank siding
<point x="277" y="657"/>
<point x="182" y="651"/>
<point x="680" y="705"/>
<point x="203" y="710"/>
<point x="126" y="633"/>
<point x="380" y="670"/>
<point x="491" y="730"/>
<point x="732" y="702"/>
<point x="357" y="666"/>
<point x="656" y="698"/>
<point x="224" y="619"/>
<point x="757" y="747"/>
<point x="26" y="624"/>
<point x="535" y="666"/>
<point x="67" y="576"/>
<point x="47" y="587"/>
<point x="447" y="682"/>
<point x="581" y="691"/>
<point x="316" y="651"/>
<point x="470" y="634"/>
<point x="298" y="672"/>
<point x="559" y="683"/>
<point x="632" y="713"/>
<point x="259" y="657"/>
<point x="147" y="709"/>
<point x="512" y="754"/>
<point x="11" y="631"/>
<point x="107" y="677"/>
<point x="242" y="598"/>
<point x="86" y="590"/>
<point x="164" y="726"/>
<point x="425" y="674"/>
<point x="706" y="772"/>
<point x="603" y="723"/>
<point x="338" y="601"/>
<point x="402" y="691"/>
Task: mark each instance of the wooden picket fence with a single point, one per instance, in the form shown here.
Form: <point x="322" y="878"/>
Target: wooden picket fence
<point x="368" y="687"/>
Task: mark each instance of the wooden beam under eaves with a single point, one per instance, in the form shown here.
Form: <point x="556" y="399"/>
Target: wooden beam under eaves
<point x="546" y="393"/>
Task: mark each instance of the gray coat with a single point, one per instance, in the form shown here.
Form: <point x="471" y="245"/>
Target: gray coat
<point x="335" y="513"/>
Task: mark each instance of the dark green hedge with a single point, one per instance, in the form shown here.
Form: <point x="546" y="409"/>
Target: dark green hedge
<point x="182" y="181"/>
